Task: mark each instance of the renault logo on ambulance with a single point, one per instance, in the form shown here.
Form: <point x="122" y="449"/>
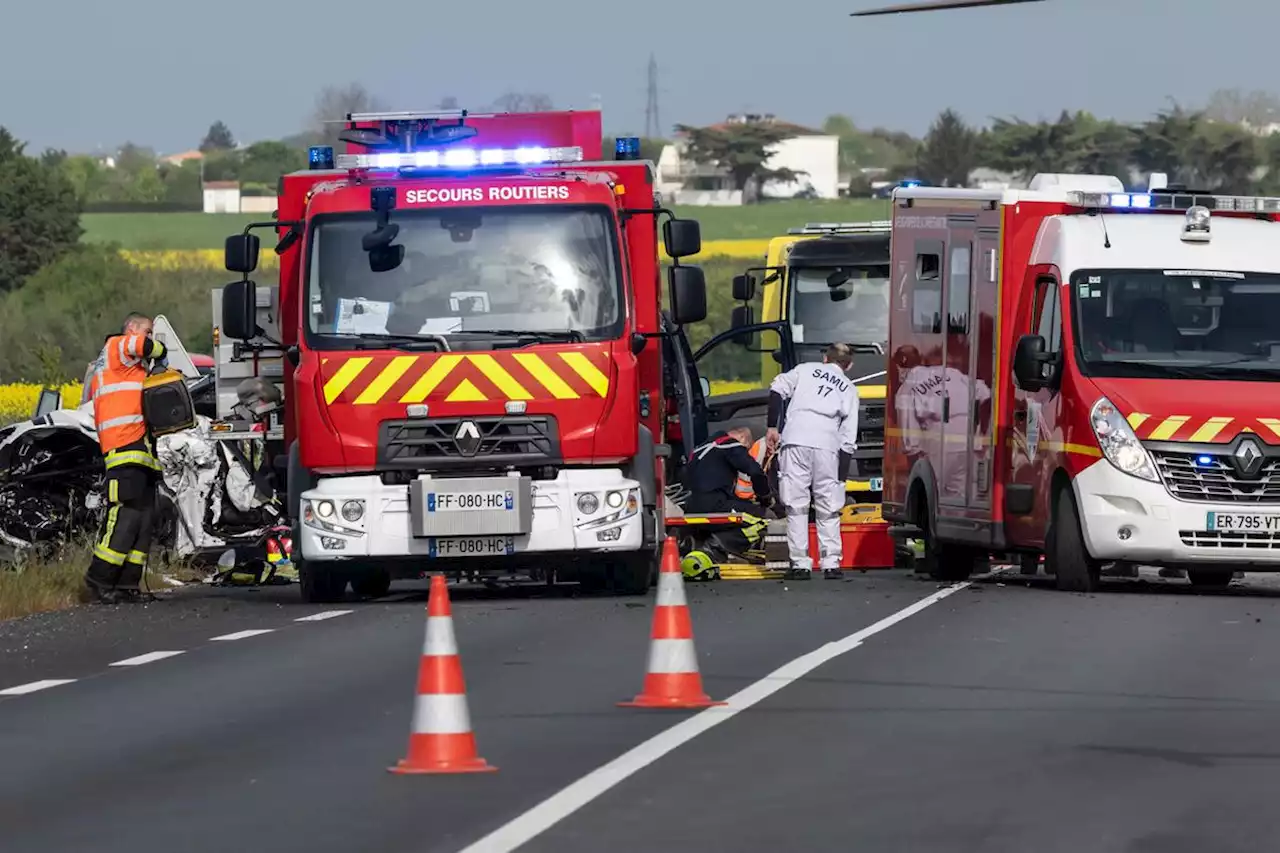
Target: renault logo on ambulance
<point x="467" y="438"/>
<point x="1248" y="457"/>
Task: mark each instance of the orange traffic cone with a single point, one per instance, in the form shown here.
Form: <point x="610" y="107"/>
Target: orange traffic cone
<point x="441" y="740"/>
<point x="672" y="680"/>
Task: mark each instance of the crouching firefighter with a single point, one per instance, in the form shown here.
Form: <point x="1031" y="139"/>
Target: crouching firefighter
<point x="818" y="440"/>
<point x="120" y="555"/>
<point x="712" y="479"/>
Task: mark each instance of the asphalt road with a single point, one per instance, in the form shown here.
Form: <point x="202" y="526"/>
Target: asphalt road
<point x="896" y="716"/>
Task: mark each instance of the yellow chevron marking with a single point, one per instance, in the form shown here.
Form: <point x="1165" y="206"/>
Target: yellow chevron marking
<point x="498" y="375"/>
<point x="344" y="377"/>
<point x="1171" y="425"/>
<point x="1210" y="430"/>
<point x="436" y="373"/>
<point x="1272" y="424"/>
<point x="465" y="393"/>
<point x="548" y="378"/>
<point x="871" y="392"/>
<point x="590" y="374"/>
<point x="389" y="376"/>
<point x="1137" y="419"/>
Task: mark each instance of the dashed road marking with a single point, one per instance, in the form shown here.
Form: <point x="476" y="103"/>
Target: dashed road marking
<point x="320" y="617"/>
<point x="23" y="689"/>
<point x="147" y="658"/>
<point x="559" y="806"/>
<point x="242" y="635"/>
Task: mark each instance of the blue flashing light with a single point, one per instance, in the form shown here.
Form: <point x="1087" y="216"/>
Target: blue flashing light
<point x="1204" y="461"/>
<point x="626" y="148"/>
<point x="462" y="158"/>
<point x="910" y="182"/>
<point x="320" y="157"/>
<point x="1133" y="201"/>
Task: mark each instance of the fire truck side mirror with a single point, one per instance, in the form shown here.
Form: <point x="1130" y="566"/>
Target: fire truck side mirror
<point x="744" y="287"/>
<point x="1032" y="365"/>
<point x="682" y="238"/>
<point x="741" y="317"/>
<point x="239" y="310"/>
<point x="687" y="288"/>
<point x="241" y="253"/>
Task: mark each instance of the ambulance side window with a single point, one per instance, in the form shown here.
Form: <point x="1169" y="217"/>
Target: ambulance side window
<point x="958" y="290"/>
<point x="926" y="294"/>
<point x="1049" y="324"/>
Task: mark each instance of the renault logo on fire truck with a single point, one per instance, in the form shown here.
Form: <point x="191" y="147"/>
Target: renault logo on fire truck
<point x="467" y="438"/>
<point x="1248" y="457"/>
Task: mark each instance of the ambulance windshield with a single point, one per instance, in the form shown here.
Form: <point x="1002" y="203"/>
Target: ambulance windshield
<point x="467" y="272"/>
<point x="853" y="312"/>
<point x="1181" y="323"/>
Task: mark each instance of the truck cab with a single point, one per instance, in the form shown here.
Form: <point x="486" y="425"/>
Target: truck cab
<point x="468" y="312"/>
<point x="1086" y="373"/>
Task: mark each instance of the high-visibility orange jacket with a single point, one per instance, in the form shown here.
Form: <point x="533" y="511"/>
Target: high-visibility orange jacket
<point x="743" y="488"/>
<point x="116" y="390"/>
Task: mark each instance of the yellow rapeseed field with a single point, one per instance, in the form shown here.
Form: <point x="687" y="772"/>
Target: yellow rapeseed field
<point x="18" y="401"/>
<point x="211" y="259"/>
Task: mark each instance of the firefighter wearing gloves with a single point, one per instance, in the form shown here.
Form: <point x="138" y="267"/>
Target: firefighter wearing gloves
<point x="120" y="555"/>
<point x="818" y="441"/>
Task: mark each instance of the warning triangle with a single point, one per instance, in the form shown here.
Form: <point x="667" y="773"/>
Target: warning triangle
<point x="465" y="393"/>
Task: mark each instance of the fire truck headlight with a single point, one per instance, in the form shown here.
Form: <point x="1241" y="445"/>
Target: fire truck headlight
<point x="588" y="503"/>
<point x="353" y="511"/>
<point x="613" y="500"/>
<point x="324" y="509"/>
<point x="1118" y="443"/>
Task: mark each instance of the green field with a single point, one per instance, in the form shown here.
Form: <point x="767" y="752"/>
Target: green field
<point x="175" y="231"/>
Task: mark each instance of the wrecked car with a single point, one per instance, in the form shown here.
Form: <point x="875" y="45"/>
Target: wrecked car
<point x="217" y="501"/>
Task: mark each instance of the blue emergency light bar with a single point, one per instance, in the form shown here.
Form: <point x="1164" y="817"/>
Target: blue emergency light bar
<point x="1173" y="201"/>
<point x="320" y="157"/>
<point x="461" y="158"/>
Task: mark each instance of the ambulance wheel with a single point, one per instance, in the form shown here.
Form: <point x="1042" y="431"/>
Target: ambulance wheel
<point x="942" y="561"/>
<point x="1066" y="557"/>
<point x="371" y="584"/>
<point x="321" y="584"/>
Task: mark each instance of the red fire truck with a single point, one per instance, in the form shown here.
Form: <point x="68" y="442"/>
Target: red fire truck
<point x="468" y="312"/>
<point x="1086" y="373"/>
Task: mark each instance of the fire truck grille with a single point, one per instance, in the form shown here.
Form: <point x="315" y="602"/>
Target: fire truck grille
<point x="468" y="443"/>
<point x="1231" y="540"/>
<point x="870" y="452"/>
<point x="1212" y="478"/>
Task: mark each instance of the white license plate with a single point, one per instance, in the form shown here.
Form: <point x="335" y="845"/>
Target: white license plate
<point x="1245" y="522"/>
<point x="472" y="546"/>
<point x="470" y="501"/>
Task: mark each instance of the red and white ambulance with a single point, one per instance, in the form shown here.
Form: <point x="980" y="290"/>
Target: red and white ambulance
<point x="1086" y="373"/>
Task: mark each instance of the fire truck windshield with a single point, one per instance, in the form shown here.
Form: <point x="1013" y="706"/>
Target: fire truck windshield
<point x="853" y="312"/>
<point x="469" y="273"/>
<point x="1179" y="323"/>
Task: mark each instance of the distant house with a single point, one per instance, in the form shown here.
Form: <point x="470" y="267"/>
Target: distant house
<point x="812" y="154"/>
<point x="183" y="157"/>
<point x="221" y="196"/>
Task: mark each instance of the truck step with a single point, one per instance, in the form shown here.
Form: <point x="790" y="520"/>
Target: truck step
<point x="905" y="531"/>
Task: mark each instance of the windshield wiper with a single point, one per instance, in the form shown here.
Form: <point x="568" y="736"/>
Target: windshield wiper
<point x="570" y="335"/>
<point x="435" y="343"/>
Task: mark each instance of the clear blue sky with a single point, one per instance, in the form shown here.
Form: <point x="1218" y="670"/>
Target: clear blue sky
<point x="158" y="73"/>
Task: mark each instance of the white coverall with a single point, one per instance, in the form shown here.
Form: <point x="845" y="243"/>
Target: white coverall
<point x="822" y="421"/>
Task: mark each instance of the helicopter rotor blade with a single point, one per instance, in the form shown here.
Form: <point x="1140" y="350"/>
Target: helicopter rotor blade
<point x="936" y="6"/>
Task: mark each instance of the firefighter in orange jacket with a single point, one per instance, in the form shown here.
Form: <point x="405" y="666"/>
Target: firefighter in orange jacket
<point x="120" y="555"/>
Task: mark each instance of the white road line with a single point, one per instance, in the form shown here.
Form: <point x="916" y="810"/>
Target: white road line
<point x="242" y="635"/>
<point x="23" y="689"/>
<point x="147" y="658"/>
<point x="320" y="617"/>
<point x="556" y="808"/>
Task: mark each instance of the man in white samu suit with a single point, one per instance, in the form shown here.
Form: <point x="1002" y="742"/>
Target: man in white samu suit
<point x="818" y="441"/>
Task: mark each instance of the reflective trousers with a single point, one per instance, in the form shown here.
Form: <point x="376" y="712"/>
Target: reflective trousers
<point x="805" y="475"/>
<point x="120" y="554"/>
